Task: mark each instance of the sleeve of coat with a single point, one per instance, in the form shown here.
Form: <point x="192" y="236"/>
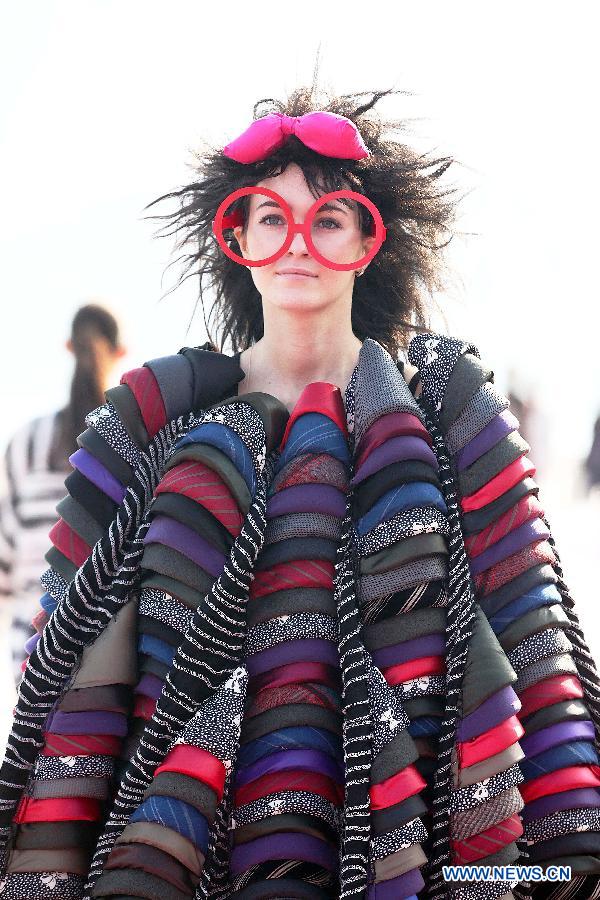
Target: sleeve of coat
<point x="519" y="584"/>
<point x="75" y="746"/>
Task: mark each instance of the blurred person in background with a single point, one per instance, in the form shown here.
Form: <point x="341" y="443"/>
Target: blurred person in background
<point x="534" y="428"/>
<point x="36" y="464"/>
<point x="592" y="462"/>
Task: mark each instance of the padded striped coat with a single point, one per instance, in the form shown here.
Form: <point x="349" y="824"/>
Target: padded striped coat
<point x="467" y="713"/>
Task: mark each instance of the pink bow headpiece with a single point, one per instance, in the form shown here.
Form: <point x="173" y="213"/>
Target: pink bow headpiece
<point x="326" y="132"/>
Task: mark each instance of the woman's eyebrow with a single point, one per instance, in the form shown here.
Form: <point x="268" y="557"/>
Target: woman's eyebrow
<point x="331" y="208"/>
<point x="327" y="206"/>
<point x="268" y="203"/>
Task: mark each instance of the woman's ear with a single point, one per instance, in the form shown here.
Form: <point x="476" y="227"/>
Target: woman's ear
<point x="367" y="243"/>
<point x="240" y="237"/>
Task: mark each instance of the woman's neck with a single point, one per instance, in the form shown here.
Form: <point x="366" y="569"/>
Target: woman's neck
<point x="283" y="368"/>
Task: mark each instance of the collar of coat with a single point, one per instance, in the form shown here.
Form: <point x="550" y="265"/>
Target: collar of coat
<point x="101" y="591"/>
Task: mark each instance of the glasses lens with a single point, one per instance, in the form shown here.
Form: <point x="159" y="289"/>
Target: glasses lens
<point x="261" y="227"/>
<point x="338" y="230"/>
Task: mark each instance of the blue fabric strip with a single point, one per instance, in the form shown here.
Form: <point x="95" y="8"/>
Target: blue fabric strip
<point x="405" y="496"/>
<point x="297" y="738"/>
<point x="48" y="603"/>
<point x="541" y="595"/>
<point x="314" y="433"/>
<point x="153" y="646"/>
<point x="425" y="725"/>
<point x="176" y="815"/>
<point x="225" y="439"/>
<point x="576" y="753"/>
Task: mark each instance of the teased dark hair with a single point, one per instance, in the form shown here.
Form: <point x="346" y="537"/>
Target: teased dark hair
<point x="396" y="294"/>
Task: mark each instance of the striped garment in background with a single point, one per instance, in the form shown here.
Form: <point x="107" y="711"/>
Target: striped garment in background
<point x="30" y="493"/>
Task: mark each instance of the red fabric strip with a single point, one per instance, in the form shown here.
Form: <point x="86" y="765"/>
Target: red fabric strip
<point x="489" y="841"/>
<point x="81" y="744"/>
<point x="197" y="763"/>
<point x="533" y="554"/>
<point x="567" y="779"/>
<point x="144" y="707"/>
<point x="415" y="668"/>
<point x="317" y="573"/>
<point x="272" y="697"/>
<point x="320" y="397"/>
<point x="40" y="620"/>
<point x="146" y="391"/>
<point x="396" y="788"/>
<point x="405" y="425"/>
<point x="64" y="809"/>
<point x="69" y="543"/>
<point x="549" y="691"/>
<point x="295" y="673"/>
<point x="490" y="742"/>
<point x="506" y="479"/>
<point x="195" y="480"/>
<point x="292" y="780"/>
<point x="528" y="507"/>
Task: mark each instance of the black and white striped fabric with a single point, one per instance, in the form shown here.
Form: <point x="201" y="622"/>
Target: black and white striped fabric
<point x="31" y="489"/>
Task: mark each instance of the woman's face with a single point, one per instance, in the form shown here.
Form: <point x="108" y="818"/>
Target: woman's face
<point x="338" y="229"/>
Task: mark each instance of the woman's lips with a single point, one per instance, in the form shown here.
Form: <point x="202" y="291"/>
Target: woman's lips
<point x="295" y="275"/>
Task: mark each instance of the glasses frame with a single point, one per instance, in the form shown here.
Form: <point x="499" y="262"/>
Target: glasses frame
<point x="222" y="221"/>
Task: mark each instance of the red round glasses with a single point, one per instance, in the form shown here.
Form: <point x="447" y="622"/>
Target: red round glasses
<point x="320" y="241"/>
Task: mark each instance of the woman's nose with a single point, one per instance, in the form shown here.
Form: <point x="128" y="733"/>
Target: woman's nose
<point x="298" y="244"/>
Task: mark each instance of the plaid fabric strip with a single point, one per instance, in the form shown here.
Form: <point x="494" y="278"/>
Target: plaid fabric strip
<point x="527" y="508"/>
<point x="197" y="481"/>
<point x="489" y="841"/>
<point x="502" y="572"/>
<point x="146" y="391"/>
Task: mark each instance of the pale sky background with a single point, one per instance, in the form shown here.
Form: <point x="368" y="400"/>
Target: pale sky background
<point x="101" y="102"/>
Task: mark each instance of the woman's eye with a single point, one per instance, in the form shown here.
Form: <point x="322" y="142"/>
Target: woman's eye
<point x="268" y="220"/>
<point x="329" y="224"/>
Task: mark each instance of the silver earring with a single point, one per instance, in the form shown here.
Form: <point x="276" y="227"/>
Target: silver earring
<point x="360" y="272"/>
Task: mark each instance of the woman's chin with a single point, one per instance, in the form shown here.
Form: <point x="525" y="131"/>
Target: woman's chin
<point x="295" y="295"/>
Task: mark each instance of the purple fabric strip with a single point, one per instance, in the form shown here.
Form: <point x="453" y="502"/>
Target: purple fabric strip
<point x="579" y="798"/>
<point x="305" y="760"/>
<point x="283" y="846"/>
<point x="428" y="645"/>
<point x="31" y="642"/>
<point x="488" y="437"/>
<point x="500" y="706"/>
<point x="150" y="686"/>
<point x="173" y="534"/>
<point x="397" y="888"/>
<point x="98" y="474"/>
<point x="96" y="722"/>
<point x="395" y="450"/>
<point x="559" y="733"/>
<point x="527" y="533"/>
<point x="315" y="498"/>
<point x="304" y="650"/>
<point x="387" y="426"/>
